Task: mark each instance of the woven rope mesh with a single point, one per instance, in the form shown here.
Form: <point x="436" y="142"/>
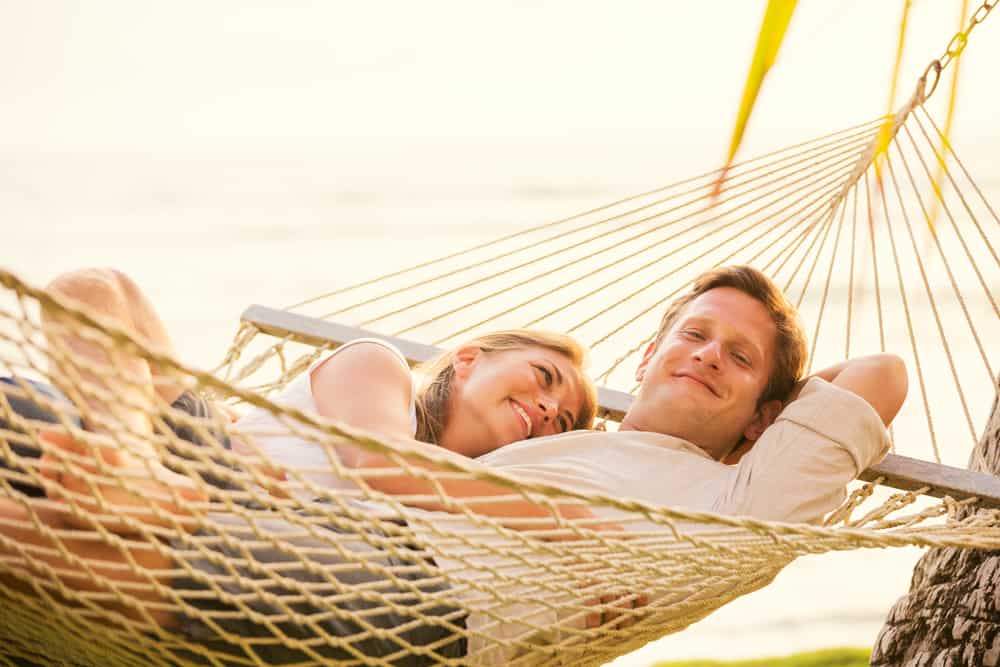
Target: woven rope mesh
<point x="110" y="526"/>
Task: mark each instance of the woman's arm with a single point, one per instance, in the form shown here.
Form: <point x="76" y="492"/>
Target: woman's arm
<point x="478" y="496"/>
<point x="366" y="386"/>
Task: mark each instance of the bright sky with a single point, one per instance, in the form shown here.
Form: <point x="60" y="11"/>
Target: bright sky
<point x="195" y="75"/>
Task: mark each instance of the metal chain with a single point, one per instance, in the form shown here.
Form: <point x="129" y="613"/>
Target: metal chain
<point x="932" y="75"/>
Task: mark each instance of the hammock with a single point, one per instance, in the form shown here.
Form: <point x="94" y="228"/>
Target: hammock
<point x="852" y="246"/>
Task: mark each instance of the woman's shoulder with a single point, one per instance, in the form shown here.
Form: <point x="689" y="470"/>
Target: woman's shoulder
<point x="370" y="358"/>
<point x="366" y="382"/>
<point x="364" y="368"/>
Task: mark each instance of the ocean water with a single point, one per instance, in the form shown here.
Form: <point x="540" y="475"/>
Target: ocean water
<point x="208" y="234"/>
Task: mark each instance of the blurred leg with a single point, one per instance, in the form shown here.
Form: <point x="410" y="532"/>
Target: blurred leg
<point x="114" y="295"/>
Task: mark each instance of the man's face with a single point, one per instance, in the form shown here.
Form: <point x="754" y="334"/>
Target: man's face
<point x="704" y="378"/>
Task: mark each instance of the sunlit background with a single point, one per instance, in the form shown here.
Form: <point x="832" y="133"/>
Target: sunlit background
<point x="228" y="153"/>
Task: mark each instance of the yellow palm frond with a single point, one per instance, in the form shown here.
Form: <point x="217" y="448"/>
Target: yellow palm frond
<point x="772" y="32"/>
<point x="885" y="133"/>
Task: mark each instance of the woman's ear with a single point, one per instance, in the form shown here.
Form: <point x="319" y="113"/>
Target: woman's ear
<point x="766" y="414"/>
<point x="640" y="372"/>
<point x="465" y="358"/>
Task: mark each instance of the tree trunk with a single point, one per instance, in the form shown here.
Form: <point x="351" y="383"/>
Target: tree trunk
<point x="951" y="616"/>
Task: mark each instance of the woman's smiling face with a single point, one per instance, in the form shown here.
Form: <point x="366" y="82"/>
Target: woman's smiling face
<point x="504" y="396"/>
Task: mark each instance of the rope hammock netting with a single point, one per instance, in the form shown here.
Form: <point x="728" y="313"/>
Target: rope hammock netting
<point x="854" y="249"/>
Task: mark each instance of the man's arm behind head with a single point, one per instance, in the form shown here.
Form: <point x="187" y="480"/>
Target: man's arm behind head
<point x="880" y="379"/>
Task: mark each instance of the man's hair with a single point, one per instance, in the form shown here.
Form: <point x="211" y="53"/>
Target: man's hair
<point x="790" y="349"/>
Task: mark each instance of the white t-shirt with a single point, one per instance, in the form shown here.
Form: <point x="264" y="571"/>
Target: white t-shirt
<point x="294" y="452"/>
<point x="796" y="472"/>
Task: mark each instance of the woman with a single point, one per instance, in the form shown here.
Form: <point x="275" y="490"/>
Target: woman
<point x="487" y="393"/>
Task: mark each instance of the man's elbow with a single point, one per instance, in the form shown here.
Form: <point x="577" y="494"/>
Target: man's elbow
<point x="890" y="371"/>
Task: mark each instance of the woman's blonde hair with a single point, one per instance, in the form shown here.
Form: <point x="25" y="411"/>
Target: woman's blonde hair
<point x="432" y="396"/>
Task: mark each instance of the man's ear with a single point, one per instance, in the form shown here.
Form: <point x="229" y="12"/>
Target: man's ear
<point x="640" y="372"/>
<point x="765" y="416"/>
<point x="464" y="360"/>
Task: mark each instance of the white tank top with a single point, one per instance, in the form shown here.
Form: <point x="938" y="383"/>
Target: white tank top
<point x="292" y="451"/>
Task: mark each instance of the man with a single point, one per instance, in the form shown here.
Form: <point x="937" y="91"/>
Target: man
<point x="724" y="361"/>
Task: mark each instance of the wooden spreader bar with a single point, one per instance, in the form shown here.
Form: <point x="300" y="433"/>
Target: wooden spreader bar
<point x="900" y="472"/>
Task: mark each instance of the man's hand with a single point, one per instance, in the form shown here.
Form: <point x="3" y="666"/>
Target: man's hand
<point x="614" y="610"/>
<point x="733" y="457"/>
